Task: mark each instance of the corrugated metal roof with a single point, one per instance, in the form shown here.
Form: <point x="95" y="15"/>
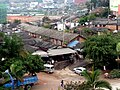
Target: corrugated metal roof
<point x="62" y="51"/>
<point x="73" y="43"/>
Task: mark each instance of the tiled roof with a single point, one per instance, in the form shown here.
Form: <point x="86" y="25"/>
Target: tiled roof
<point x="49" y="32"/>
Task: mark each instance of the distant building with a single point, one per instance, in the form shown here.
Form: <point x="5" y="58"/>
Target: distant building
<point x="79" y="1"/>
<point x="33" y="4"/>
<point x="39" y="1"/>
<point x="48" y="1"/>
<point x="68" y="1"/>
<point x="3" y="13"/>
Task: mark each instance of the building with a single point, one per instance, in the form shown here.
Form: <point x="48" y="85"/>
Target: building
<point x="53" y="36"/>
<point x="48" y="1"/>
<point x="68" y="1"/>
<point x="79" y="1"/>
<point x="3" y="13"/>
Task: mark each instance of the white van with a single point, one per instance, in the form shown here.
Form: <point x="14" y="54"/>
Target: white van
<point x="49" y="68"/>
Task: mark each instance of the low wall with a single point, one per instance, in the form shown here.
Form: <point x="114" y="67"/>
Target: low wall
<point x="62" y="64"/>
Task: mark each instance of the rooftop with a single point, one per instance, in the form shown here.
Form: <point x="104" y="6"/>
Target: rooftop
<point x="49" y="32"/>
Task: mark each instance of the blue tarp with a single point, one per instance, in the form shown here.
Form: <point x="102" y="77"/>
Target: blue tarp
<point x="73" y="43"/>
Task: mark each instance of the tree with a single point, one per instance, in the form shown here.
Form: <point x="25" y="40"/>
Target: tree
<point x="92" y="79"/>
<point x="46" y="19"/>
<point x="92" y="82"/>
<point x="83" y="19"/>
<point x="103" y="3"/>
<point x="105" y="12"/>
<point x="76" y="86"/>
<point x="11" y="47"/>
<point x="33" y="64"/>
<point x="118" y="48"/>
<point x="101" y="50"/>
<point x="91" y="17"/>
<point x="87" y="32"/>
<point x="118" y="53"/>
<point x="17" y="69"/>
<point x="1" y="42"/>
<point x="100" y="3"/>
<point x="17" y="21"/>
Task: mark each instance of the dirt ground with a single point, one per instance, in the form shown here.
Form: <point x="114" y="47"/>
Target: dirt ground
<point x="52" y="81"/>
<point x="29" y="18"/>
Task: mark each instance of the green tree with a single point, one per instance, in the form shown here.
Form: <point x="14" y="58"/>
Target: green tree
<point x="101" y="49"/>
<point x="83" y="19"/>
<point x="17" y="69"/>
<point x="1" y="43"/>
<point x="17" y="21"/>
<point x="100" y="3"/>
<point x="33" y="64"/>
<point x="103" y="3"/>
<point x="105" y="12"/>
<point x="91" y="17"/>
<point x="92" y="82"/>
<point x="118" y="49"/>
<point x="92" y="79"/>
<point x="87" y="32"/>
<point x="11" y="47"/>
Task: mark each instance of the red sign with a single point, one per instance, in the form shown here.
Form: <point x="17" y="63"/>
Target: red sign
<point x="119" y="9"/>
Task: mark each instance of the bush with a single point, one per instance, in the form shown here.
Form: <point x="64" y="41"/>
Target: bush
<point x="115" y="73"/>
<point x="76" y="86"/>
<point x="46" y="25"/>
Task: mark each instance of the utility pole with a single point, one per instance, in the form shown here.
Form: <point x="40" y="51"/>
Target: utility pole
<point x="117" y="21"/>
<point x="63" y="22"/>
<point x="63" y="30"/>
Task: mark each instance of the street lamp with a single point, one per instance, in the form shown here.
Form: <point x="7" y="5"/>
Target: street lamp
<point x="11" y="78"/>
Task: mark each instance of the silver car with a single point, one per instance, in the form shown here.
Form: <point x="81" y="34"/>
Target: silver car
<point x="79" y="70"/>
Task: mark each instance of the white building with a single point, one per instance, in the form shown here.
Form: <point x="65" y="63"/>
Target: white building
<point x="33" y="4"/>
<point x="60" y="26"/>
<point x="48" y="1"/>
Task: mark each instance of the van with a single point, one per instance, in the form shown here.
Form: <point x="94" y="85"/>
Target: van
<point x="49" y="68"/>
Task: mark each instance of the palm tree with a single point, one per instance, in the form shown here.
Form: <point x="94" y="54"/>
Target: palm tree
<point x="92" y="79"/>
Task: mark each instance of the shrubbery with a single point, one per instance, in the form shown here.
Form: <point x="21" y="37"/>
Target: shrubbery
<point x="115" y="73"/>
<point x="76" y="86"/>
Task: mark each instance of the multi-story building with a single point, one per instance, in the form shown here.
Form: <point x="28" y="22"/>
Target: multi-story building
<point x="3" y="13"/>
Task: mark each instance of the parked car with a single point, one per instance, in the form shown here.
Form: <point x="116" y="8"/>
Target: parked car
<point x="79" y="70"/>
<point x="49" y="68"/>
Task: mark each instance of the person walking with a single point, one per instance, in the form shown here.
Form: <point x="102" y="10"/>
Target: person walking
<point x="62" y="83"/>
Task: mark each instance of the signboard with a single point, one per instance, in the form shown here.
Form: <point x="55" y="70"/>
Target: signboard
<point x="114" y="5"/>
<point x="119" y="9"/>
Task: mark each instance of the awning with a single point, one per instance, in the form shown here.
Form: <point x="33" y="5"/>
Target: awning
<point x="62" y="51"/>
<point x="41" y="53"/>
<point x="73" y="43"/>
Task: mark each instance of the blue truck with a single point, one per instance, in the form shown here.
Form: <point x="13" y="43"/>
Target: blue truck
<point x="27" y="82"/>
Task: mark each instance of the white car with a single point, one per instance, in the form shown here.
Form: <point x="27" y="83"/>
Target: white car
<point x="79" y="70"/>
<point x="49" y="68"/>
